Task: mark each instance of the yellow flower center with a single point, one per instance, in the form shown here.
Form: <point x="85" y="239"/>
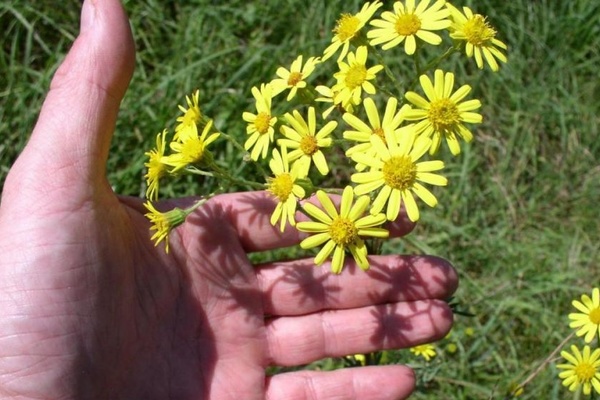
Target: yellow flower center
<point x="294" y="78"/>
<point x="379" y="132"/>
<point x="399" y="172"/>
<point x="192" y="150"/>
<point x="594" y="316"/>
<point x="407" y="24"/>
<point x="355" y="76"/>
<point x="343" y="231"/>
<point x="192" y="115"/>
<point x="308" y="145"/>
<point x="585" y="371"/>
<point x="443" y="114"/>
<point x="281" y="186"/>
<point x="346" y="27"/>
<point x="156" y="169"/>
<point x="262" y="122"/>
<point x="478" y="31"/>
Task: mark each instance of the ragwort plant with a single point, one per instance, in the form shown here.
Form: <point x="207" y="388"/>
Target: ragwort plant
<point x="391" y="126"/>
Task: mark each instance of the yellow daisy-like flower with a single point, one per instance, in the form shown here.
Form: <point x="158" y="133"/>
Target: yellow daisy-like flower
<point x="341" y="231"/>
<point x="260" y="125"/>
<point x="156" y="168"/>
<point x="397" y="173"/>
<point x="191" y="115"/>
<point x="392" y="118"/>
<point x="306" y="142"/>
<point x="407" y="23"/>
<point x="328" y="96"/>
<point x="582" y="370"/>
<point x="478" y="35"/>
<point x="164" y="222"/>
<point x="347" y="28"/>
<point x="587" y="322"/>
<point x="427" y="351"/>
<point x="444" y="113"/>
<point x="284" y="188"/>
<point x="354" y="77"/>
<point x="191" y="147"/>
<point x="294" y="79"/>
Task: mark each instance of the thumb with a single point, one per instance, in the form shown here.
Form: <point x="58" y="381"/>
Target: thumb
<point x="69" y="144"/>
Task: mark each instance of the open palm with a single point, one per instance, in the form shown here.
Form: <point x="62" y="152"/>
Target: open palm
<point x="89" y="308"/>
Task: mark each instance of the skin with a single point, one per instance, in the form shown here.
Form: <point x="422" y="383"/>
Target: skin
<point x="90" y="309"/>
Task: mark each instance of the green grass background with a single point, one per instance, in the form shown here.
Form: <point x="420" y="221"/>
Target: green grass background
<point x="519" y="219"/>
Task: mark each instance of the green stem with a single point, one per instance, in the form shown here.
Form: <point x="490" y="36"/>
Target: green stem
<point x="238" y="146"/>
<point x="430" y="65"/>
<point x="388" y="72"/>
<point x="223" y="174"/>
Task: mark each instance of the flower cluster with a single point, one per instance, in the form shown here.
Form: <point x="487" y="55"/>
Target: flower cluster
<point x="389" y="130"/>
<point x="582" y="369"/>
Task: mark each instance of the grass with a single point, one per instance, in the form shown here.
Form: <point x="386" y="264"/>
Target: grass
<point x="519" y="219"/>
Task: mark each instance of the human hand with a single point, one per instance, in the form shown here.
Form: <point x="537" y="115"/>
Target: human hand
<point x="89" y="308"/>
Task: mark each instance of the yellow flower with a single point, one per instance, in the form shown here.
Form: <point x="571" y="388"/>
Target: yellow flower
<point x="354" y="77"/>
<point x="516" y="390"/>
<point x="191" y="149"/>
<point x="156" y="168"/>
<point x="443" y="115"/>
<point x="479" y="36"/>
<point x="191" y="115"/>
<point x="427" y="351"/>
<point x="164" y="223"/>
<point x="293" y="79"/>
<point x="396" y="171"/>
<point x="284" y="188"/>
<point x="581" y="370"/>
<point x="408" y="22"/>
<point x="587" y="322"/>
<point x="451" y="348"/>
<point x="359" y="358"/>
<point x="341" y="231"/>
<point x="260" y="125"/>
<point x="328" y="96"/>
<point x="306" y="142"/>
<point x="347" y="28"/>
<point x="362" y="133"/>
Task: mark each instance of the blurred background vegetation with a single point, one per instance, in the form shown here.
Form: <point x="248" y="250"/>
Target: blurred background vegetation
<point x="519" y="219"/>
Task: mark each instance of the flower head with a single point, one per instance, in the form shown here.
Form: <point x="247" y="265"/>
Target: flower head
<point x="156" y="168"/>
<point x="347" y="28"/>
<point x="191" y="115"/>
<point x="587" y="322"/>
<point x="427" y="351"/>
<point x="306" y="142"/>
<point x="478" y="35"/>
<point x="354" y="77"/>
<point x="164" y="222"/>
<point x="260" y="125"/>
<point x="396" y="173"/>
<point x="443" y="114"/>
<point x="341" y="231"/>
<point x="329" y="96"/>
<point x="284" y="188"/>
<point x="362" y="132"/>
<point x="191" y="147"/>
<point x="582" y="369"/>
<point x="407" y="23"/>
<point x="295" y="78"/>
